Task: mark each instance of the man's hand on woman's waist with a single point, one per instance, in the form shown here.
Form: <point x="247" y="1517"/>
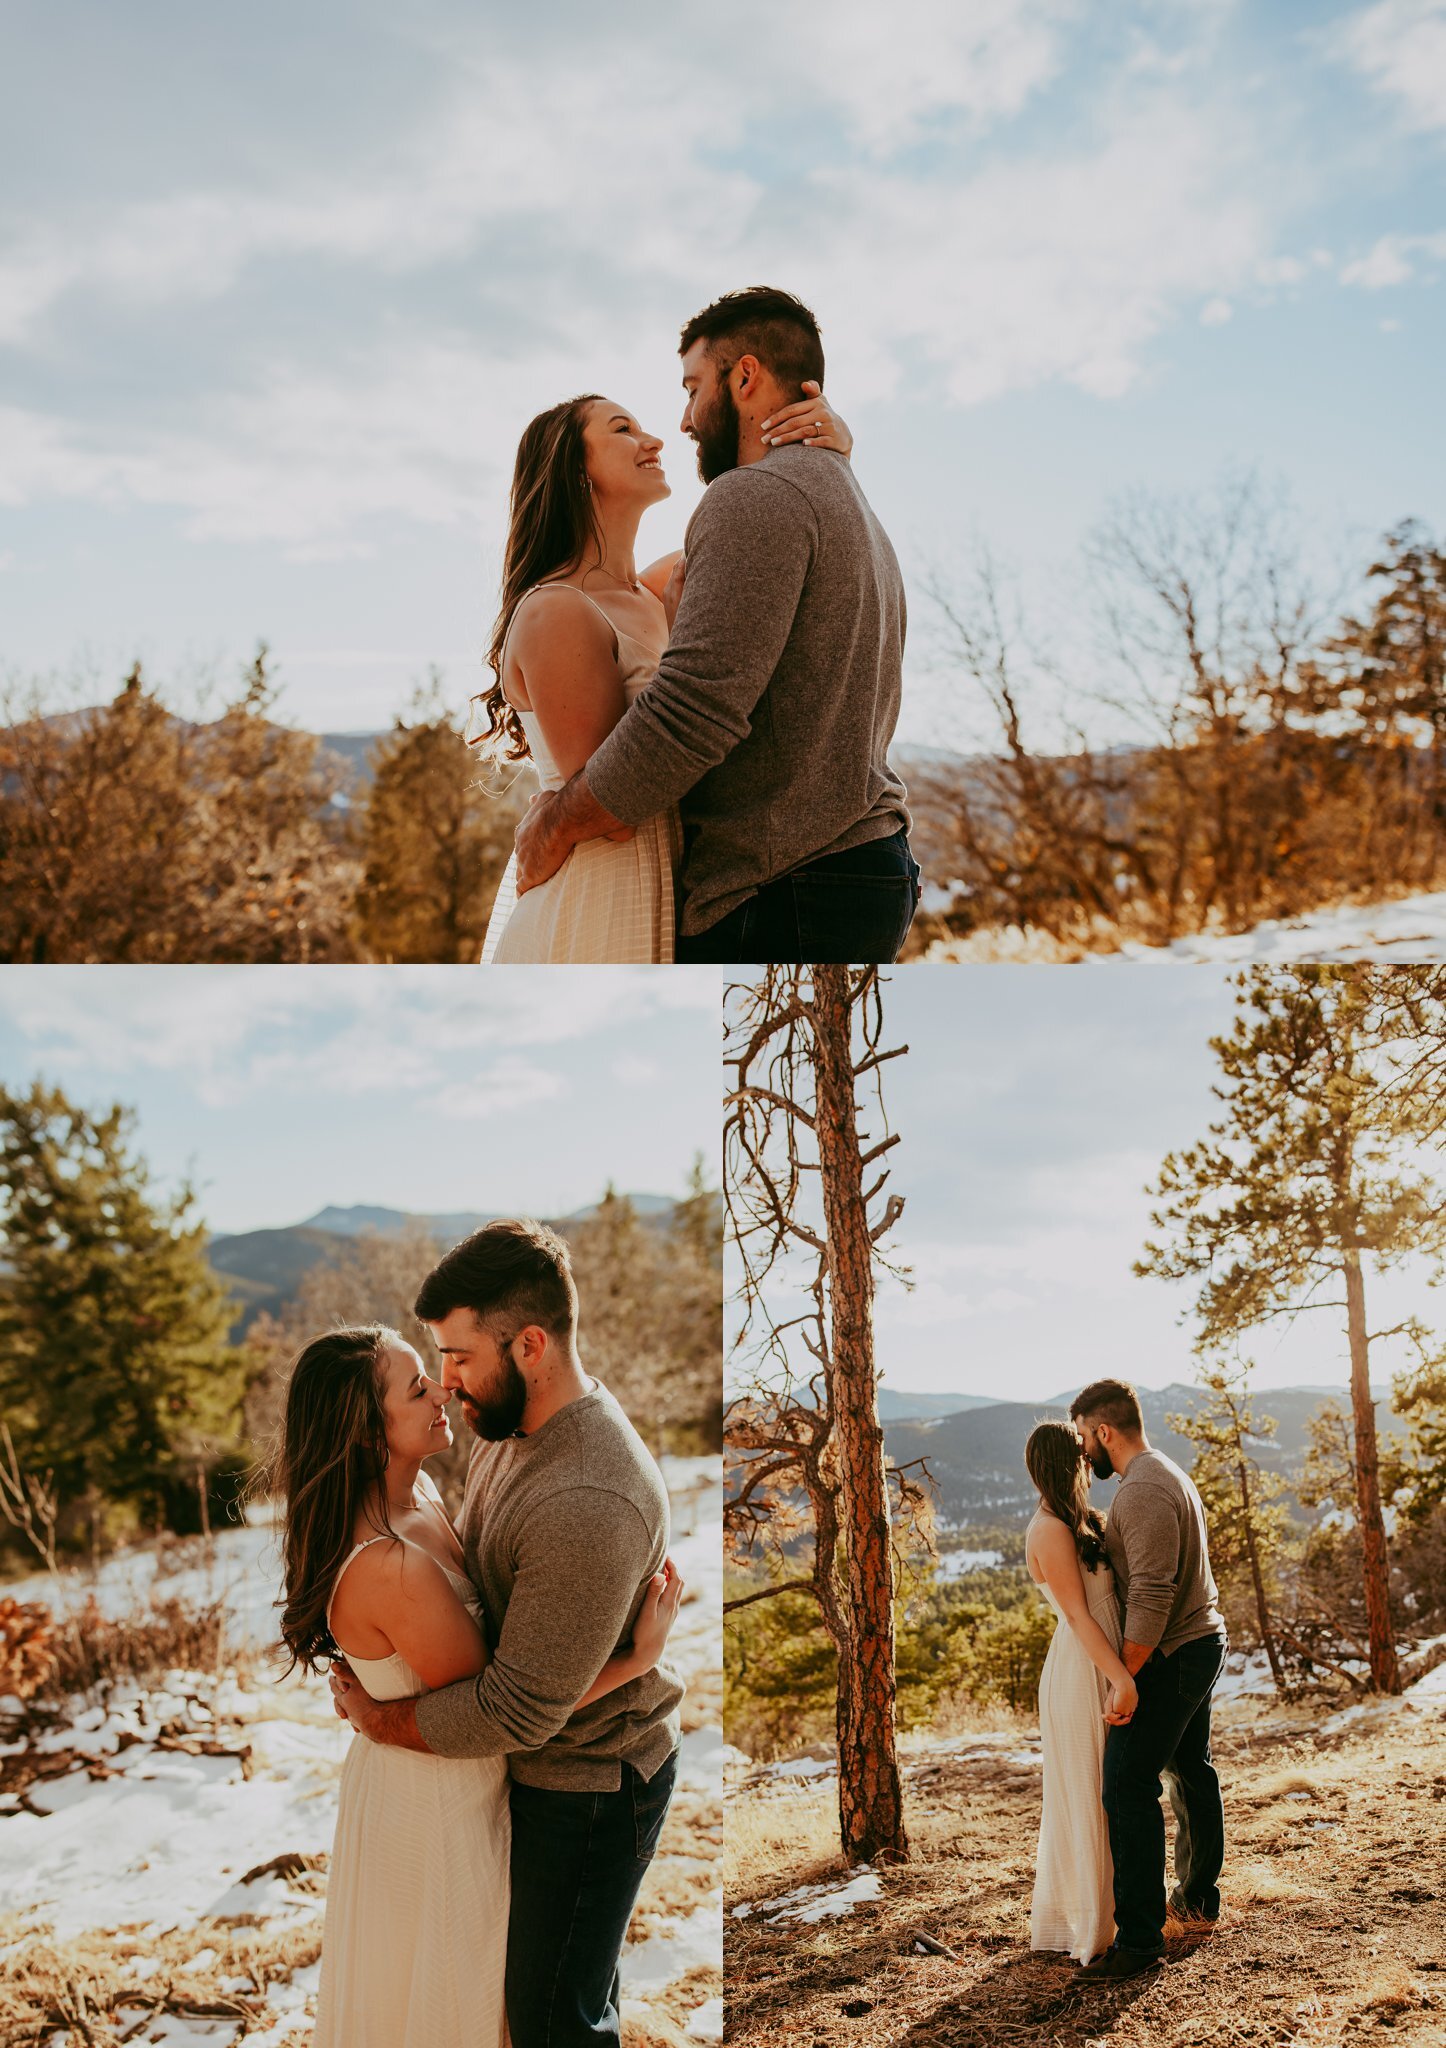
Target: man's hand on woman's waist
<point x="554" y="823"/>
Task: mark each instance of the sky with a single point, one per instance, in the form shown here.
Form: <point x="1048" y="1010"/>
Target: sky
<point x="1035" y="1106"/>
<point x="281" y="1091"/>
<point x="279" y="288"/>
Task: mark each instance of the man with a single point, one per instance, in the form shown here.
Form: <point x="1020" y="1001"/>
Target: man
<point x="564" y="1522"/>
<point x="1174" y="1648"/>
<point x="771" y="713"/>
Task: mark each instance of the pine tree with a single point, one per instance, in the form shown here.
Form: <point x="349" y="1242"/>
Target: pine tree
<point x="113" y="1329"/>
<point x="1305" y="1180"/>
<point x="1243" y="1503"/>
<point x="1390" y="666"/>
<point x="434" y="845"/>
<point x="130" y="833"/>
<point x="794" y="1113"/>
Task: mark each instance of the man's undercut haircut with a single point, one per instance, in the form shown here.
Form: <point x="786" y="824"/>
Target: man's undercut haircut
<point x="772" y="325"/>
<point x="512" y="1275"/>
<point x="1111" y="1401"/>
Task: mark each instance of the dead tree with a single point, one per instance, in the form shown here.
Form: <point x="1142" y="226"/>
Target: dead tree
<point x="806" y="1453"/>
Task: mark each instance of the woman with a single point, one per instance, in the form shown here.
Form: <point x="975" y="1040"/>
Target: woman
<point x="1073" y="1905"/>
<point x="579" y="634"/>
<point x="415" y="1938"/>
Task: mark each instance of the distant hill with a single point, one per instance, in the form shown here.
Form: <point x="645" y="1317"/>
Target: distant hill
<point x="901" y="1407"/>
<point x="977" y="1457"/>
<point x="264" y="1268"/>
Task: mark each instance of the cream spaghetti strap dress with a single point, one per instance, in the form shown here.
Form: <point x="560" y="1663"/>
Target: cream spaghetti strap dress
<point x="1073" y="1909"/>
<point x="414" y="1946"/>
<point x="608" y="901"/>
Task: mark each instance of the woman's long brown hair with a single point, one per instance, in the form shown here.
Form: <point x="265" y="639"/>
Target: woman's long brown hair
<point x="1052" y="1460"/>
<point x="333" y="1453"/>
<point x="551" y="522"/>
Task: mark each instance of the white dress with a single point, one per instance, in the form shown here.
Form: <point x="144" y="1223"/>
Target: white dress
<point x="1073" y="1907"/>
<point x="414" y="1945"/>
<point x="610" y="900"/>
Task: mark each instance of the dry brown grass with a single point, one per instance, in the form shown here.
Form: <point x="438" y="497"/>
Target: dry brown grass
<point x="92" y="1648"/>
<point x="1334" y="1931"/>
<point x="86" y="1980"/>
<point x="793" y="1829"/>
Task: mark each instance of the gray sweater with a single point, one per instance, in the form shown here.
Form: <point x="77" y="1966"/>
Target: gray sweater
<point x="1157" y="1546"/>
<point x="562" y="1530"/>
<point x="769" y="719"/>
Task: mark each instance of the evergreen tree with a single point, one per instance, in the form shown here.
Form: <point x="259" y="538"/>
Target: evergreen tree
<point x="113" y="1329"/>
<point x="1389" y="667"/>
<point x="1243" y="1504"/>
<point x="129" y="833"/>
<point x="650" y="1299"/>
<point x="434" y="844"/>
<point x="1306" y="1180"/>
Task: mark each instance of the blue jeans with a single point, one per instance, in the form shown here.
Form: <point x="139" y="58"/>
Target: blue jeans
<point x="578" y="1859"/>
<point x="1169" y="1738"/>
<point x="854" y="907"/>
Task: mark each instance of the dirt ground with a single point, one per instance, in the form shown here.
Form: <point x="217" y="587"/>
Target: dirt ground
<point x="1333" y="1931"/>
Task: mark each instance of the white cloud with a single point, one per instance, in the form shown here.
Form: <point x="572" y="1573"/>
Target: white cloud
<point x="238" y="1032"/>
<point x="502" y="1090"/>
<point x="635" y="1070"/>
<point x="890" y="70"/>
<point x="1215" y="312"/>
<point x="572" y="240"/>
<point x="1400" y="47"/>
<point x="1392" y="261"/>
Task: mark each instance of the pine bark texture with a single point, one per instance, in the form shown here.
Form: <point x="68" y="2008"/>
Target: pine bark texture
<point x="1385" y="1666"/>
<point x="871" y="1810"/>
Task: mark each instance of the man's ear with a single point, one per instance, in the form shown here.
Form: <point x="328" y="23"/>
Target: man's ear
<point x="534" y="1344"/>
<point x="748" y="372"/>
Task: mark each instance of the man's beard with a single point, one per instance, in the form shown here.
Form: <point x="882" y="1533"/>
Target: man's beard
<point x="1099" y="1462"/>
<point x="717" y="436"/>
<point x="500" y="1415"/>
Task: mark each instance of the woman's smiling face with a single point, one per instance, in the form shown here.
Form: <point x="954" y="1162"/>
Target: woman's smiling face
<point x="623" y="462"/>
<point x="414" y="1405"/>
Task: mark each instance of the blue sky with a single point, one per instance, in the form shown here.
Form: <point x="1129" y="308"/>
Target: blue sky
<point x="279" y="1091"/>
<point x="1035" y="1106"/>
<point x="279" y="288"/>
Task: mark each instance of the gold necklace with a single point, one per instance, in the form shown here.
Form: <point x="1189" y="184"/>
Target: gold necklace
<point x="623" y="582"/>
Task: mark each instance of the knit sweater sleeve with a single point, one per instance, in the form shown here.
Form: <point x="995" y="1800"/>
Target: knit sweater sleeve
<point x="584" y="1555"/>
<point x="1149" y="1527"/>
<point x="750" y="545"/>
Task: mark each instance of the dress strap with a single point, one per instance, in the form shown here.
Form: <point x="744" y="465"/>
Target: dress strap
<point x="550" y="584"/>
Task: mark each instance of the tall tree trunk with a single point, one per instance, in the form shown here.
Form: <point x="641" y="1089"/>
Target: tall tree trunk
<point x="871" y="1808"/>
<point x="1257" y="1578"/>
<point x="1385" y="1670"/>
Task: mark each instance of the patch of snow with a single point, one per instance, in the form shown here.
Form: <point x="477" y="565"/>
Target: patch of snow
<point x="1431" y="1687"/>
<point x="166" y="1839"/>
<point x="1413" y="928"/>
<point x="1244" y="1675"/>
<point x="706" y="2023"/>
<point x="954" y="1563"/>
<point x="811" y="1903"/>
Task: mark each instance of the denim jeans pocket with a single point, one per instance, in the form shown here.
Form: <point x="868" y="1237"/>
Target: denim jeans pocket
<point x="651" y="1800"/>
<point x="862" y="918"/>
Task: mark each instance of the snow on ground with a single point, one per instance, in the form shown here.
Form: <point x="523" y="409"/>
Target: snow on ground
<point x="1244" y="1675"/>
<point x="811" y="1903"/>
<point x="171" y="1833"/>
<point x="1409" y="928"/>
<point x="953" y="1564"/>
<point x="1414" y="928"/>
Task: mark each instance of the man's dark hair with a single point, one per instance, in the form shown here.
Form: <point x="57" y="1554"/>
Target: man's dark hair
<point x="772" y="325"/>
<point x="510" y="1274"/>
<point x="1111" y="1401"/>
